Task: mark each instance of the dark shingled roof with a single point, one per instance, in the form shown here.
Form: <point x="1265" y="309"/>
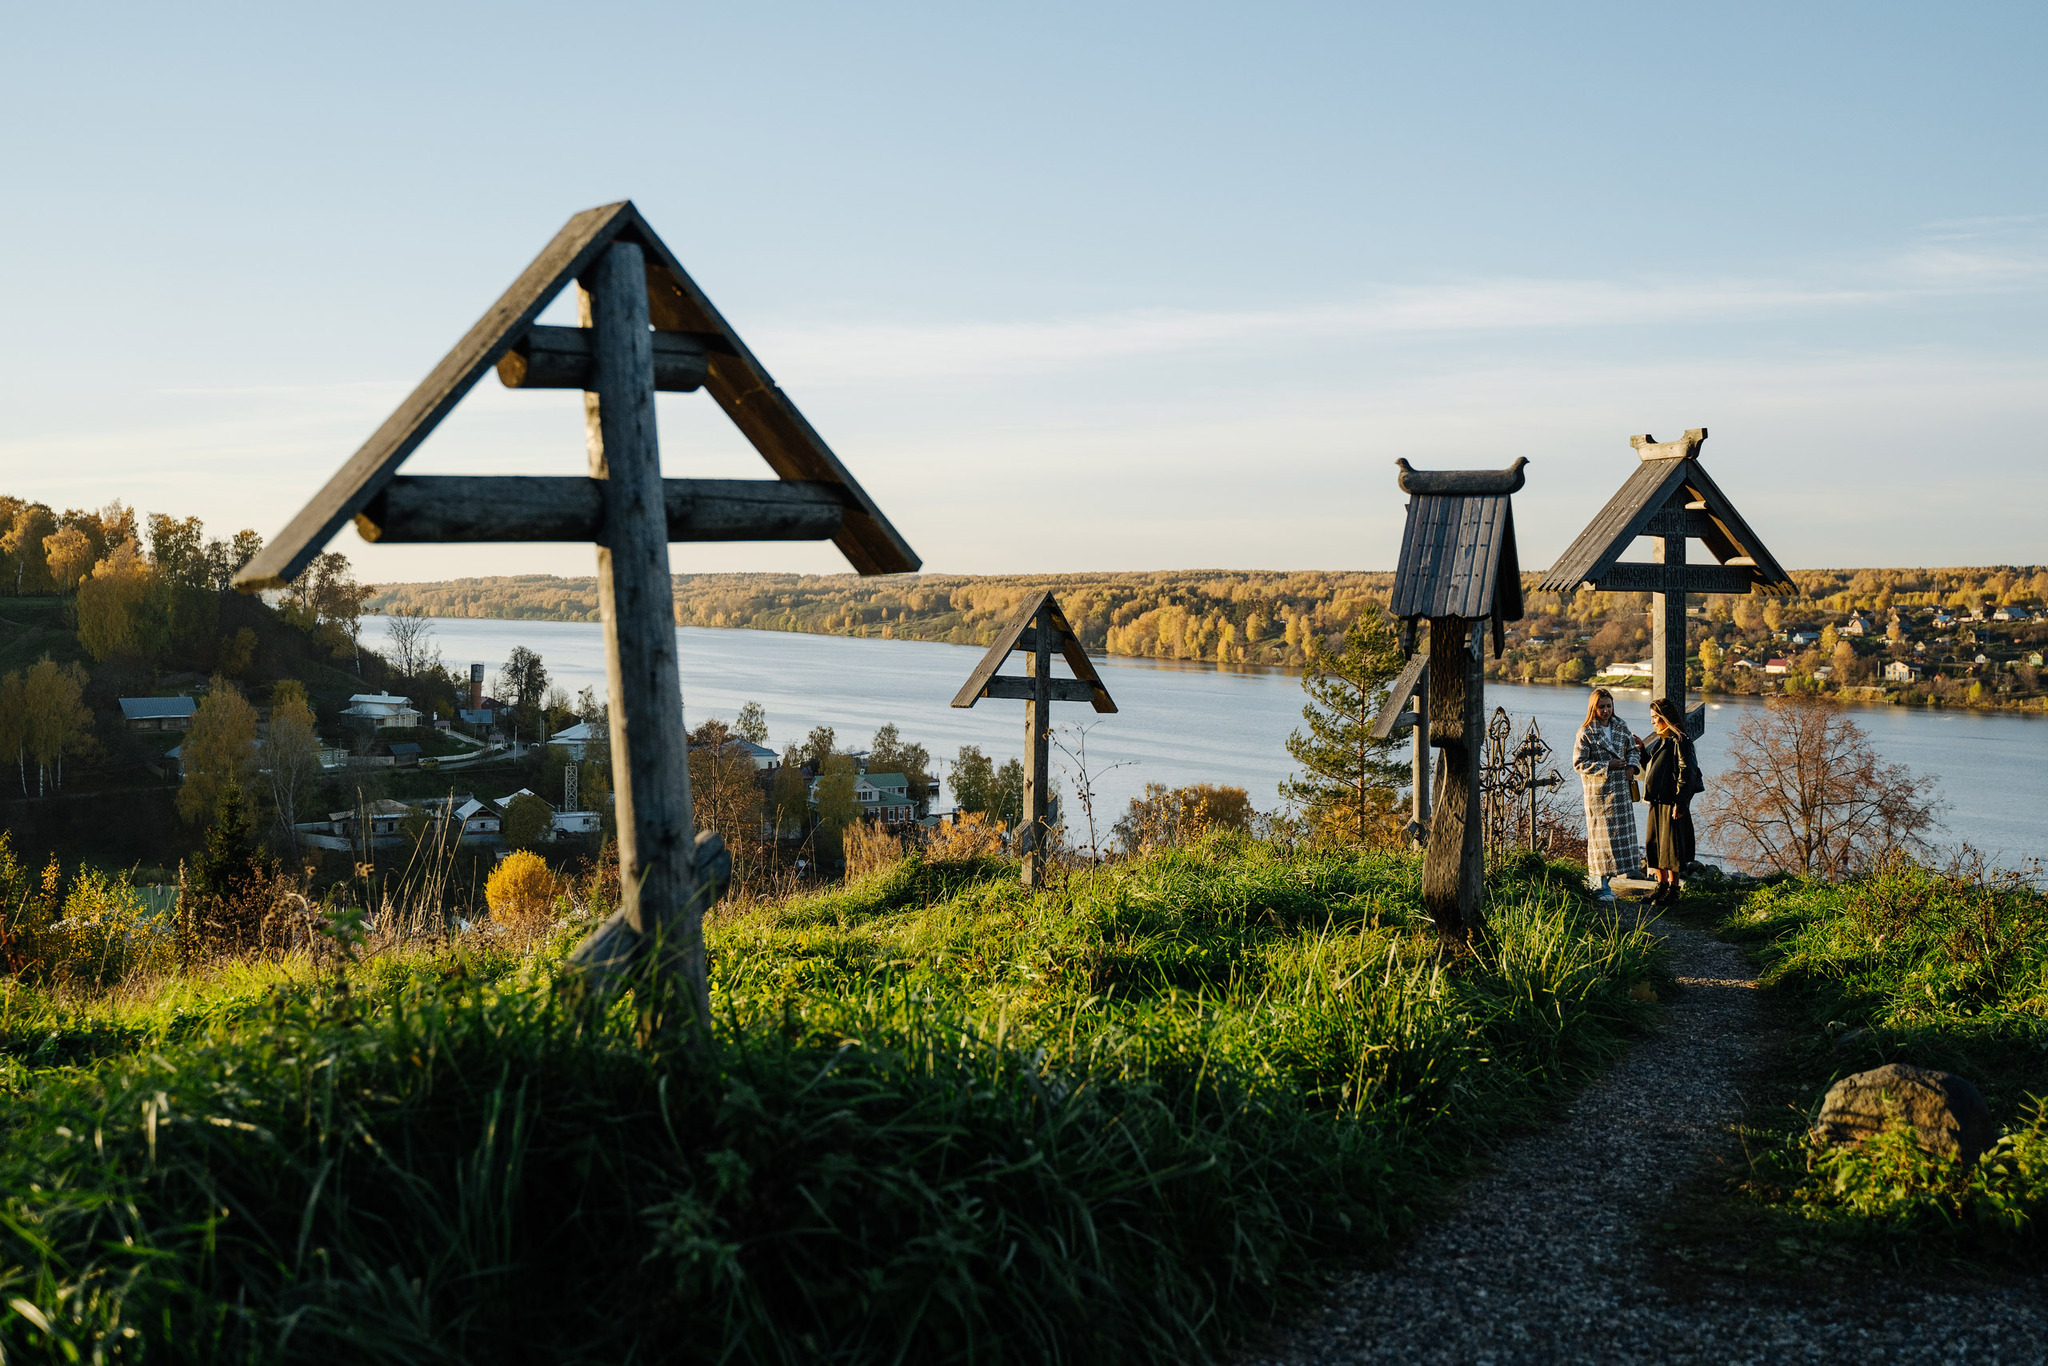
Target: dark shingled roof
<point x="1650" y="488"/>
<point x="1458" y="558"/>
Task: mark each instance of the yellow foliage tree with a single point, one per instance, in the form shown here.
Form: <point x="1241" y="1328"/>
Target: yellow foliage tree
<point x="70" y="554"/>
<point x="219" y="748"/>
<point x="521" y="890"/>
<point x="115" y="615"/>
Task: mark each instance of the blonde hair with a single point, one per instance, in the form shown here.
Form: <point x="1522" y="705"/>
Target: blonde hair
<point x="1593" y="705"/>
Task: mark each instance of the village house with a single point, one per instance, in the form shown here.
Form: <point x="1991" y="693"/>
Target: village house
<point x="1858" y="625"/>
<point x="1899" y="671"/>
<point x="885" y="797"/>
<point x="158" y="713"/>
<point x="1777" y="666"/>
<point x="381" y="711"/>
<point x="1803" y="636"/>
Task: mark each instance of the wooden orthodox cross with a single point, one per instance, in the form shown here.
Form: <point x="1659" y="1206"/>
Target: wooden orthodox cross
<point x="1037" y="629"/>
<point x="645" y="327"/>
<point x="1669" y="498"/>
<point x="1460" y="571"/>
<point x="1411" y="686"/>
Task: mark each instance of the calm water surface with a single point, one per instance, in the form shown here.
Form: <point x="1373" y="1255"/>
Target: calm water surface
<point x="1179" y="723"/>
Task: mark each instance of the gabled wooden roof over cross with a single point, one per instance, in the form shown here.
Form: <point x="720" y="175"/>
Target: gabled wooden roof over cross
<point x="1022" y="634"/>
<point x="813" y="497"/>
<point x="1668" y="493"/>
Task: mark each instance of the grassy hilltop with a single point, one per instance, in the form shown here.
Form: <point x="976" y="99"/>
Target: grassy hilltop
<point x="940" y="1118"/>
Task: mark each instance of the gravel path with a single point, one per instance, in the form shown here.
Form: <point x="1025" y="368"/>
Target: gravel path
<point x="1543" y="1261"/>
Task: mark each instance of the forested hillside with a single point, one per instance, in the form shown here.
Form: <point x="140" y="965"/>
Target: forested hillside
<point x="1267" y="618"/>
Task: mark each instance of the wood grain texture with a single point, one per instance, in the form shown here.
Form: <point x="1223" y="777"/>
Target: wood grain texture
<point x="1667" y="626"/>
<point x="656" y="835"/>
<point x="1454" y="868"/>
<point x="1508" y="480"/>
<point x="1037" y="831"/>
<point x="1655" y="578"/>
<point x="343" y="496"/>
<point x="559" y="358"/>
<point x="1027" y="689"/>
<point x="412" y="509"/>
<point x="1404" y="687"/>
<point x="1458" y="558"/>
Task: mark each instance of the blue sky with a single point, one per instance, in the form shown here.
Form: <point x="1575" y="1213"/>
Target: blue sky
<point x="1067" y="287"/>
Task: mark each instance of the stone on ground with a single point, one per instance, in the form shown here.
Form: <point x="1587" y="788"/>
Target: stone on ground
<point x="1948" y="1115"/>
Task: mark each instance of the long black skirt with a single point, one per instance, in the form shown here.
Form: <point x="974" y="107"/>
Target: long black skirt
<point x="1668" y="843"/>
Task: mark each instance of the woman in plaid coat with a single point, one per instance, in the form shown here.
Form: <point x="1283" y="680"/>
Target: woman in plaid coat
<point x="1605" y="754"/>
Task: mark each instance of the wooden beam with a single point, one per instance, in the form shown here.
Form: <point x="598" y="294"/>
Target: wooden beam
<point x="413" y="509"/>
<point x="559" y="358"/>
<point x="1392" y="715"/>
<point x="1454" y="869"/>
<point x="1038" y="745"/>
<point x="658" y="876"/>
<point x="1667" y="625"/>
<point x="1682" y="522"/>
<point x="562" y="260"/>
<point x="1655" y="578"/>
<point x="1026" y="689"/>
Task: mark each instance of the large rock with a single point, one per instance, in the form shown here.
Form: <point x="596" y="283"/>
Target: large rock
<point x="1948" y="1114"/>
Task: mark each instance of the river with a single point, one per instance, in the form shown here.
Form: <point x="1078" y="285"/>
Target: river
<point x="1190" y="723"/>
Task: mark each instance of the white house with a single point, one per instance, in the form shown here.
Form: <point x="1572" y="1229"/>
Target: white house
<point x="381" y="710"/>
<point x="1642" y="668"/>
<point x="582" y="740"/>
<point x="1899" y="671"/>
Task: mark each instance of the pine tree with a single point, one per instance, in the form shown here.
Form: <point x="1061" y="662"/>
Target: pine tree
<point x="1350" y="781"/>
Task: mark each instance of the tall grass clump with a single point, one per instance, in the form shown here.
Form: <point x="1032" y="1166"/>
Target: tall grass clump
<point x="939" y="1119"/>
<point x="1939" y="968"/>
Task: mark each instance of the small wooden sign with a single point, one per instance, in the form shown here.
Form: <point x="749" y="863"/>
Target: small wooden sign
<point x="1037" y="629"/>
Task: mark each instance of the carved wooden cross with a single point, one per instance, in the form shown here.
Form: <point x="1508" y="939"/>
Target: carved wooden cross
<point x="1670" y="498"/>
<point x="645" y="327"/>
<point x="1459" y="569"/>
<point x="1036" y="629"/>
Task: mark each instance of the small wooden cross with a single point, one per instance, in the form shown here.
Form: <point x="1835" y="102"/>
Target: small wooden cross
<point x="645" y="326"/>
<point x="1670" y="498"/>
<point x="1036" y="629"/>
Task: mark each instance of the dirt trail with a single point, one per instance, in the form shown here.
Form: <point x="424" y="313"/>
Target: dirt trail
<point x="1544" y="1262"/>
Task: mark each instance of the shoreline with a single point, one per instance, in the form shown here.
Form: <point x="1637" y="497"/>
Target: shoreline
<point x="1283" y="670"/>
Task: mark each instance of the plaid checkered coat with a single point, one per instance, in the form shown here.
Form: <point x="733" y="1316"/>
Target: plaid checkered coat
<point x="1611" y="842"/>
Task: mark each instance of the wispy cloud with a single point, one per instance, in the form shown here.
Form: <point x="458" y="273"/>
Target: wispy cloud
<point x="1958" y="259"/>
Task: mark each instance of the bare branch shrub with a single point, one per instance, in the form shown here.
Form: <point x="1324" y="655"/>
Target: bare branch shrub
<point x="1806" y="793"/>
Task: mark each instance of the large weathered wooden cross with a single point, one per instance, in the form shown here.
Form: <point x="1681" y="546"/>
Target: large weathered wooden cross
<point x="645" y="327"/>
<point x="1038" y="627"/>
<point x="1460" y="570"/>
<point x="1669" y="498"/>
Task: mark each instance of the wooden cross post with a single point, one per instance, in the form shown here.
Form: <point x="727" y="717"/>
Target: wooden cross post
<point x="646" y="327"/>
<point x="1412" y="685"/>
<point x="1459" y="570"/>
<point x="1037" y="627"/>
<point x="1672" y="500"/>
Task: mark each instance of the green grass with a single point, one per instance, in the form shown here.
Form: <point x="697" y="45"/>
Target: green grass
<point x="1905" y="965"/>
<point x="941" y="1119"/>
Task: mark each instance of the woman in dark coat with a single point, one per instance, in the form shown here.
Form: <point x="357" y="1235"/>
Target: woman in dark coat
<point x="1671" y="775"/>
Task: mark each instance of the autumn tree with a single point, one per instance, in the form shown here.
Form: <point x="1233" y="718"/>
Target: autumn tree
<point x="528" y="821"/>
<point x="890" y="753"/>
<point x="219" y="750"/>
<point x="23" y="543"/>
<point x="409" y="640"/>
<point x="752" y="724"/>
<point x="819" y="746"/>
<point x="788" y="797"/>
<point x="1006" y="793"/>
<point x="1805" y="792"/>
<point x="523" y="682"/>
<point x="1165" y="817"/>
<point x="725" y="794"/>
<point x="68" y="553"/>
<point x="59" y="723"/>
<point x="291" y="756"/>
<point x="973" y="780"/>
<point x="119" y="613"/>
<point x="835" y="796"/>
<point x="1350" y="781"/>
